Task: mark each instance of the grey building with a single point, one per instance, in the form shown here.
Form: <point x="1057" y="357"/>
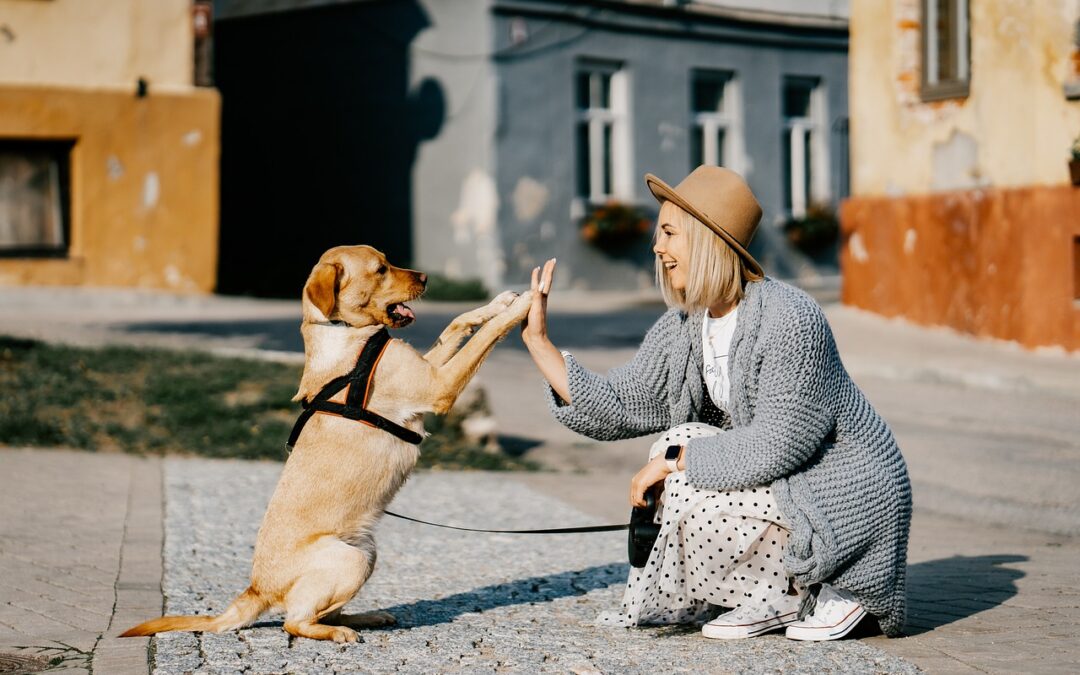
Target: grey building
<point x="496" y="127"/>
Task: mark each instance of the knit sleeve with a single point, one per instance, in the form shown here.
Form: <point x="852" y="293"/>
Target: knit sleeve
<point x="630" y="401"/>
<point x="793" y="415"/>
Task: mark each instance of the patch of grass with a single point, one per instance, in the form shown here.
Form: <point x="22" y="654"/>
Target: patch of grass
<point x="440" y="287"/>
<point x="154" y="401"/>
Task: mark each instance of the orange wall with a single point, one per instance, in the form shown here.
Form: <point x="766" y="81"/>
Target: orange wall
<point x="994" y="263"/>
<point x="144" y="185"/>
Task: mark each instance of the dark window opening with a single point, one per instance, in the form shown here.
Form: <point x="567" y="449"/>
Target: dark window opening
<point x="35" y="218"/>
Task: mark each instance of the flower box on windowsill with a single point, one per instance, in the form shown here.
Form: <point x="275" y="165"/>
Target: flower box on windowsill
<point x="615" y="226"/>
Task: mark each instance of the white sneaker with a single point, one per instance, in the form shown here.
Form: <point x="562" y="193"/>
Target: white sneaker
<point x="835" y="614"/>
<point x="749" y="620"/>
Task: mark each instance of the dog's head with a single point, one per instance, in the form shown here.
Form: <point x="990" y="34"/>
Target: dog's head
<point x="357" y="285"/>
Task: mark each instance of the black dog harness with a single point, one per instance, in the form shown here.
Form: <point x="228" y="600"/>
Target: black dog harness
<point x="358" y="385"/>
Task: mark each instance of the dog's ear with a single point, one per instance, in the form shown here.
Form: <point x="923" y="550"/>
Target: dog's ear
<point x="322" y="287"/>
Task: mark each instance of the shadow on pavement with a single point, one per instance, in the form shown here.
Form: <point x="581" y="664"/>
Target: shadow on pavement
<point x="519" y="592"/>
<point x="947" y="590"/>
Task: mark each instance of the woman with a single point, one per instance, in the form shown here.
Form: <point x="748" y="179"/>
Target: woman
<point x="785" y="497"/>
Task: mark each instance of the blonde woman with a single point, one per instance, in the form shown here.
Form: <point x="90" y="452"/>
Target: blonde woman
<point x="786" y="502"/>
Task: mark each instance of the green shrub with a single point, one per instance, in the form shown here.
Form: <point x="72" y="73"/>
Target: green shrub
<point x="440" y="287"/>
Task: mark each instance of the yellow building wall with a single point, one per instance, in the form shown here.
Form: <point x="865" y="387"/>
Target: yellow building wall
<point x="96" y="43"/>
<point x="1015" y="127"/>
<point x="144" y="185"/>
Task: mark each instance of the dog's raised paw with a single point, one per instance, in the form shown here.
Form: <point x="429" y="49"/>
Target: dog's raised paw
<point x="504" y="300"/>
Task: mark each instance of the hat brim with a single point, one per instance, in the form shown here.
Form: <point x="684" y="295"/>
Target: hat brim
<point x="664" y="192"/>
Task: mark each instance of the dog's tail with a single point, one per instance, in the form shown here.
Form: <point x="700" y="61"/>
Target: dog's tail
<point x="244" y="609"/>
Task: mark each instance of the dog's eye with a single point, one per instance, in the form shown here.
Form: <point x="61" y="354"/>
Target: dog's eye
<point x="381" y="270"/>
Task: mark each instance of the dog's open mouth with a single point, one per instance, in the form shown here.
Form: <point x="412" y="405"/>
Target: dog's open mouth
<point x="401" y="314"/>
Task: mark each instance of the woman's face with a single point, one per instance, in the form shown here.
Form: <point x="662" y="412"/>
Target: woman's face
<point x="673" y="248"/>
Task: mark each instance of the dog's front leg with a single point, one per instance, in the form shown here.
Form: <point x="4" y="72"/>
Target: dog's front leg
<point x="463" y="326"/>
<point x="452" y="377"/>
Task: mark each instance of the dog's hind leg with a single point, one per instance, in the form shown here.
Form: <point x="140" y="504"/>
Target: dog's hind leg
<point x="335" y="573"/>
<point x="462" y="327"/>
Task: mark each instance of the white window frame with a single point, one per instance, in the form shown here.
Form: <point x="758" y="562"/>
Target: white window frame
<point x="729" y="118"/>
<point x="797" y="129"/>
<point x="598" y="119"/>
<point x="932" y="87"/>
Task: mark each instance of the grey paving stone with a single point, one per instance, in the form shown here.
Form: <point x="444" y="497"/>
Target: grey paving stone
<point x="465" y="602"/>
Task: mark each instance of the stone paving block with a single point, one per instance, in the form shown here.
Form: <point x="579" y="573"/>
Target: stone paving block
<point x="24" y="586"/>
<point x="57" y="610"/>
<point x="123" y="656"/>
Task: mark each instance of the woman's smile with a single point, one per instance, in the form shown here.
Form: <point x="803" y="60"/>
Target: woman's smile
<point x="671" y="249"/>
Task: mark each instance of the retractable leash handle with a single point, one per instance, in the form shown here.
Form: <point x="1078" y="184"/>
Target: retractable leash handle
<point x="643" y="531"/>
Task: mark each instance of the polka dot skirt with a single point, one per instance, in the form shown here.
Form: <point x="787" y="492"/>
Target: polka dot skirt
<point x="715" y="549"/>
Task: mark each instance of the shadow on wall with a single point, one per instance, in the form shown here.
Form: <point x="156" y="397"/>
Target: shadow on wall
<point x="947" y="590"/>
<point x="320" y="130"/>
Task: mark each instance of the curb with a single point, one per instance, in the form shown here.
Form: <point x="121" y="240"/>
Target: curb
<point x="138" y="584"/>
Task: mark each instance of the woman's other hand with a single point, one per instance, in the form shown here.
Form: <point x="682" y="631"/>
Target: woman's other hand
<point x="654" y="472"/>
<point x="534" y="327"/>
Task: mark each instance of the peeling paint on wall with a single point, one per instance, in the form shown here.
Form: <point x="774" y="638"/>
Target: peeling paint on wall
<point x="858" y="248"/>
<point x="955" y="163"/>
<point x="909" y="241"/>
<point x="172" y="276"/>
<point x="530" y="197"/>
<point x="474" y="223"/>
<point x="114" y="169"/>
<point x="151" y="190"/>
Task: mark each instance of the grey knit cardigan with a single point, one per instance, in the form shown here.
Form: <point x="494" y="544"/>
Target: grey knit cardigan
<point x="798" y="422"/>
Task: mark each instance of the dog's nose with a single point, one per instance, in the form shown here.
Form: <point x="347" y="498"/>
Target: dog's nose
<point x="423" y="278"/>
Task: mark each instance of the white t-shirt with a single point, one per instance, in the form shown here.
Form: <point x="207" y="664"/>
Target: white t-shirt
<point x="716" y="337"/>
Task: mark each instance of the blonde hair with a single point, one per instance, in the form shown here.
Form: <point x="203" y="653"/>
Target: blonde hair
<point x="715" y="272"/>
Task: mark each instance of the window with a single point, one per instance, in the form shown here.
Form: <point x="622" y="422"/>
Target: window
<point x="716" y="133"/>
<point x="34" y="198"/>
<point x="944" y="49"/>
<point x="603" y="147"/>
<point x="804" y="146"/>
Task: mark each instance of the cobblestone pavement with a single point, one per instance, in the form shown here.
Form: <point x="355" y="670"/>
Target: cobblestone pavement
<point x="465" y="602"/>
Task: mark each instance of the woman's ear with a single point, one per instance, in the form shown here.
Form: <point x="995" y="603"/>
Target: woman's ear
<point x="322" y="288"/>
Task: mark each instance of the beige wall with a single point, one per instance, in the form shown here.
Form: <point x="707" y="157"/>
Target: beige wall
<point x="96" y="43"/>
<point x="1015" y="127"/>
<point x="144" y="185"/>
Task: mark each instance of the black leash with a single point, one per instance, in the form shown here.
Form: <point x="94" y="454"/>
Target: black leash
<point x="554" y="530"/>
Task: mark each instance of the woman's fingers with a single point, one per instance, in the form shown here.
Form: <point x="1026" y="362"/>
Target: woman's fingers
<point x="535" y="278"/>
<point x="546" y="277"/>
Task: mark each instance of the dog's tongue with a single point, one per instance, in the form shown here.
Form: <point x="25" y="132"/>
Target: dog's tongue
<point x="405" y="310"/>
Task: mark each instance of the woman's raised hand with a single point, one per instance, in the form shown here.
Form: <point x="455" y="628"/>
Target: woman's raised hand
<point x="534" y="327"/>
<point x="534" y="333"/>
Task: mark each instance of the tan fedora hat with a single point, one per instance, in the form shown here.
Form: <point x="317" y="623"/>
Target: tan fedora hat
<point x="721" y="199"/>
